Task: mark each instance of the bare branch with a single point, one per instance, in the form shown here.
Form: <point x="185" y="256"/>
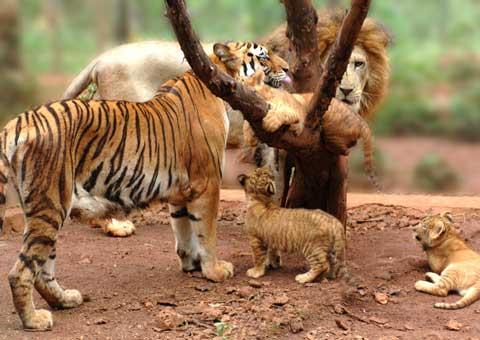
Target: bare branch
<point x="302" y="22"/>
<point x="337" y="61"/>
<point x="222" y="85"/>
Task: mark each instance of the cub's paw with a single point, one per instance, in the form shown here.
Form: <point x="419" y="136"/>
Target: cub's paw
<point x="432" y="277"/>
<point x="256" y="272"/>
<point x="296" y="128"/>
<point x="218" y="272"/>
<point x="272" y="122"/>
<point x="118" y="228"/>
<point x="40" y="320"/>
<point x="71" y="298"/>
<point x="304" y="278"/>
<point x="421" y="285"/>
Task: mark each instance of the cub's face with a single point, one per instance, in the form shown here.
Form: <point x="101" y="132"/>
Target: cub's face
<point x="433" y="230"/>
<point x="260" y="184"/>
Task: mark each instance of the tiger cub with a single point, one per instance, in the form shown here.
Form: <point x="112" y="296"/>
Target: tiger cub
<point x="340" y="125"/>
<point x="447" y="253"/>
<point x="314" y="233"/>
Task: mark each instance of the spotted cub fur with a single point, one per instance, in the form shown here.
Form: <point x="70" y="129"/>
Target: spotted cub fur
<point x="313" y="233"/>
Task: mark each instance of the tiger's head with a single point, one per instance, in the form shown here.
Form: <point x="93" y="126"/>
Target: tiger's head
<point x="434" y="230"/>
<point x="259" y="185"/>
<point x="244" y="59"/>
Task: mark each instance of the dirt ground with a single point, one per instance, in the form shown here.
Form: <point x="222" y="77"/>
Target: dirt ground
<point x="137" y="291"/>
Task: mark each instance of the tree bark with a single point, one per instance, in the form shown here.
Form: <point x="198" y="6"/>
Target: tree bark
<point x="315" y="185"/>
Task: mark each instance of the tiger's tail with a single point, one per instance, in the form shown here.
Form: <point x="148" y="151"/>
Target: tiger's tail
<point x="4" y="169"/>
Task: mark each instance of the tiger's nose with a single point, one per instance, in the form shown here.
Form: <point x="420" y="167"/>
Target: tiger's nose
<point x="346" y="91"/>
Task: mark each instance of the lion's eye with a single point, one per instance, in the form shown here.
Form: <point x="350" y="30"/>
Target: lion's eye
<point x="359" y="64"/>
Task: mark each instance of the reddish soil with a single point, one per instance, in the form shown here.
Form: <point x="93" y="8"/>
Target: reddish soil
<point x="138" y="292"/>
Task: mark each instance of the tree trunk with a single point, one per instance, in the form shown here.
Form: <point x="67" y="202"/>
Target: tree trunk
<point x="9" y="36"/>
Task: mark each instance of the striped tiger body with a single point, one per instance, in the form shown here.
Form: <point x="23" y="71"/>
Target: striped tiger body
<point x="92" y="157"/>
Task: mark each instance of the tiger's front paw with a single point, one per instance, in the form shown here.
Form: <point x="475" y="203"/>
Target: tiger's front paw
<point x="40" y="320"/>
<point x="218" y="272"/>
<point x="118" y="228"/>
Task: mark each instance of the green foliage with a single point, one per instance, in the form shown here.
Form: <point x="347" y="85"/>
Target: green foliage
<point x="221" y="329"/>
<point x="434" y="174"/>
<point x="465" y="118"/>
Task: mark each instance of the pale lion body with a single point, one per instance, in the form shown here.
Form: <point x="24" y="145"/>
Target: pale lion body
<point x="449" y="256"/>
<point x="313" y="233"/>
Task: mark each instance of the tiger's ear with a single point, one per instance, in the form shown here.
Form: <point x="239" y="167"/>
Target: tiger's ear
<point x="271" y="188"/>
<point x="242" y="179"/>
<point x="437" y="230"/>
<point x="447" y="215"/>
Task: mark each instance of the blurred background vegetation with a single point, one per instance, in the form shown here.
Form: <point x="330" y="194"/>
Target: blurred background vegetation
<point x="435" y="59"/>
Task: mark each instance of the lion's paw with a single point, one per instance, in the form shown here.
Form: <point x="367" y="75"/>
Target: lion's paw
<point x="118" y="228"/>
<point x="256" y="272"/>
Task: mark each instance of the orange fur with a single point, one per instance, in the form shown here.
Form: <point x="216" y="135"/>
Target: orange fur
<point x="449" y="256"/>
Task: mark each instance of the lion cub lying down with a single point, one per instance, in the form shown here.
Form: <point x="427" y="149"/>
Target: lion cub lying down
<point x="457" y="263"/>
<point x="314" y="233"/>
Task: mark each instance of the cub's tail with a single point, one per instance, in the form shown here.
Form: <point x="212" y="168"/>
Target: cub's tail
<point x="472" y="295"/>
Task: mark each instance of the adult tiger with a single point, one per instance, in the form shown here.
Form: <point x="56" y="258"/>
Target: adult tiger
<point x="95" y="156"/>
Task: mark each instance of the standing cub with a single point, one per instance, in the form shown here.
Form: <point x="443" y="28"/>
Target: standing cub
<point x="314" y="233"/>
<point x="457" y="263"/>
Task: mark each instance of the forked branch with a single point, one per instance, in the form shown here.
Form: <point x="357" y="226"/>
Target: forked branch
<point x="246" y="100"/>
<point x="222" y="85"/>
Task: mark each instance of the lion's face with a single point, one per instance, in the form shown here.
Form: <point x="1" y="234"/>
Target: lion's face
<point x="350" y="90"/>
<point x="433" y="230"/>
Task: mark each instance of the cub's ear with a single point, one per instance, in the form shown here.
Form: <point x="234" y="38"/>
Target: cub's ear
<point x="447" y="215"/>
<point x="437" y="230"/>
<point x="242" y="179"/>
<point x="271" y="188"/>
<point x="222" y="51"/>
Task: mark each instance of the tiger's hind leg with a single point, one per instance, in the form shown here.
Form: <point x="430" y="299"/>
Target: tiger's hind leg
<point x="186" y="242"/>
<point x="36" y="262"/>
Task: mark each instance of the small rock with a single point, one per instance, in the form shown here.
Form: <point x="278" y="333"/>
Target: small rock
<point x="85" y="260"/>
<point x="230" y="290"/>
<point x="296" y="325"/>
<point x="453" y="325"/>
<point x="203" y="288"/>
<point x="168" y="319"/>
<point x="100" y="321"/>
<point x="245" y="292"/>
<point x="148" y="304"/>
<point x="255" y="284"/>
<point x="381" y="298"/>
<point x="341" y="324"/>
<point x="339" y="309"/>
<point x="409" y="327"/>
<point x="380" y="321"/>
<point x="211" y="314"/>
<point x="281" y="300"/>
<point x="387" y="276"/>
